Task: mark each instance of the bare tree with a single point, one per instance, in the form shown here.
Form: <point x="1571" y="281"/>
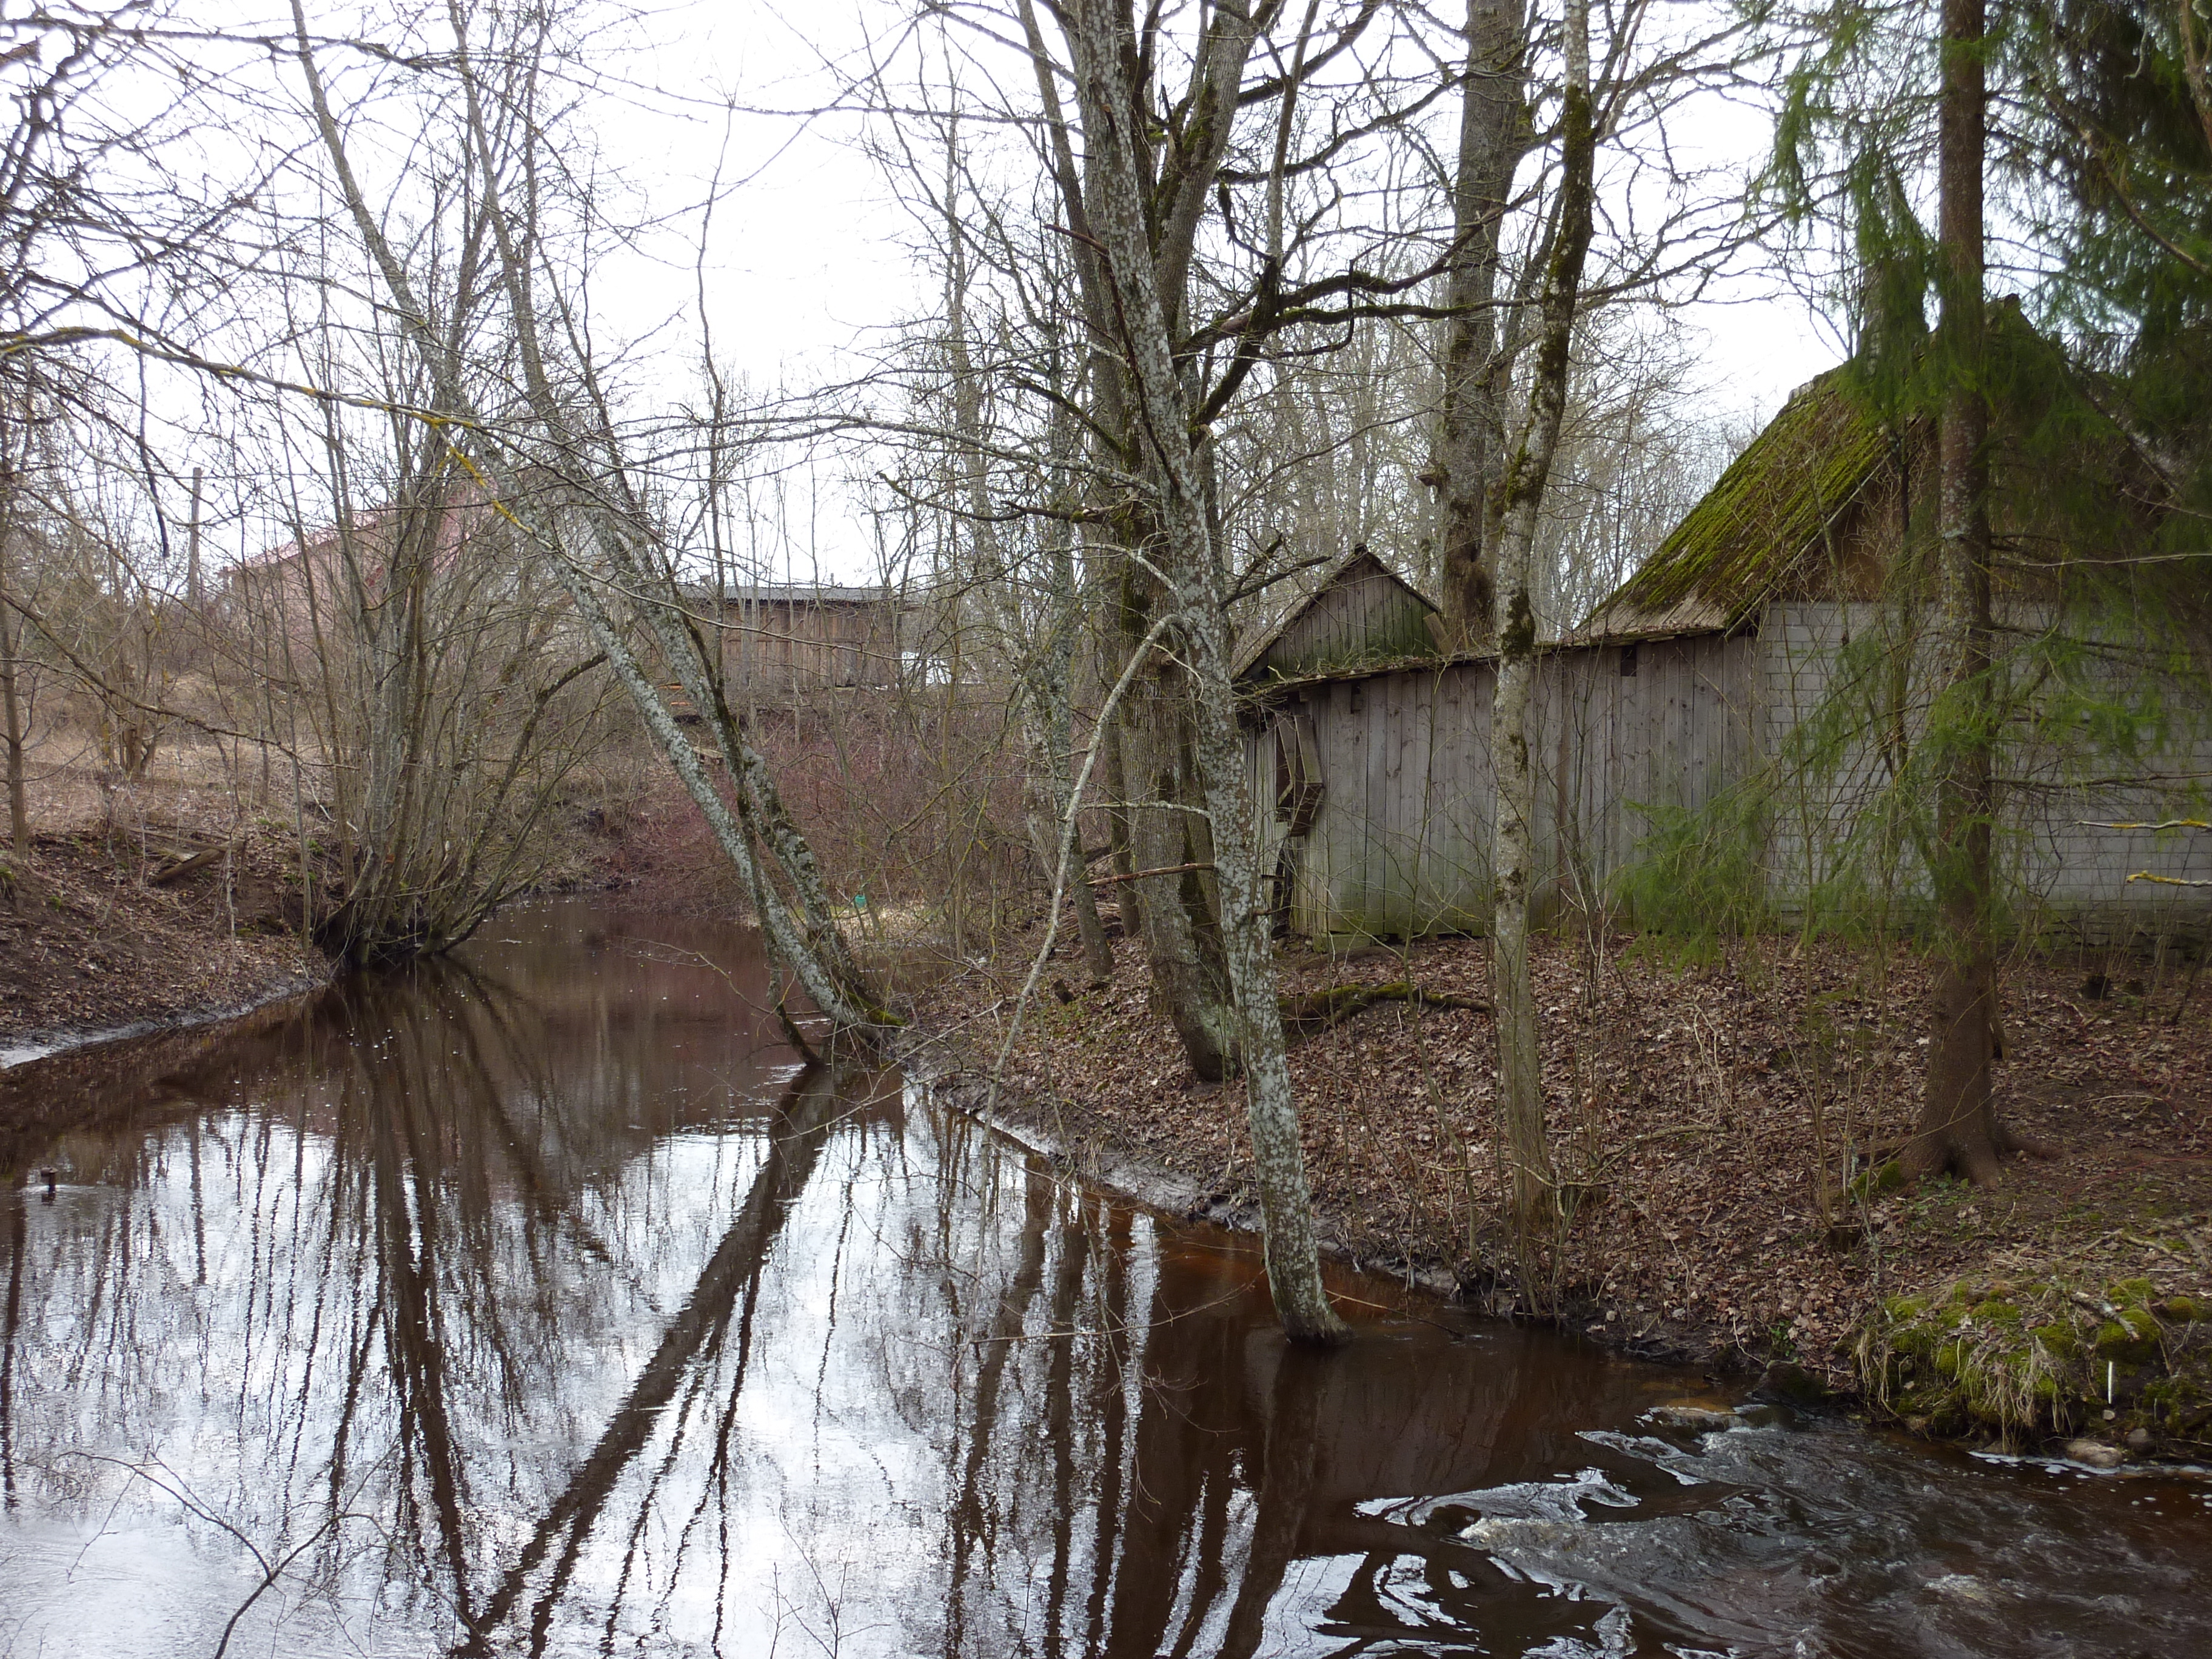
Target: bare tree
<point x="1183" y="557"/>
<point x="1493" y="137"/>
<point x="557" y="464"/>
<point x="17" y="674"/>
<point x="1515" y="506"/>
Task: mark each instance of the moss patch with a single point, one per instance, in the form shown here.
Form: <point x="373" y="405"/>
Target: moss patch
<point x="2047" y="1356"/>
<point x="1748" y="537"/>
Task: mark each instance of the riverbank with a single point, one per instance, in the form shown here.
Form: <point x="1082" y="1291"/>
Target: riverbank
<point x="102" y="935"/>
<point x="1722" y="1135"/>
<point x="175" y="900"/>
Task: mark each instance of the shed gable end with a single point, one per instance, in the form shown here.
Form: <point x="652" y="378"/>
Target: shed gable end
<point x="1362" y="616"/>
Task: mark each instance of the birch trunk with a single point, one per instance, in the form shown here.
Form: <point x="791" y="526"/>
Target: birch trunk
<point x="1516" y="505"/>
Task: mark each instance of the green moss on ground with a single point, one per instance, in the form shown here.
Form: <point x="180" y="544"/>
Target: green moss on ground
<point x="2044" y="1356"/>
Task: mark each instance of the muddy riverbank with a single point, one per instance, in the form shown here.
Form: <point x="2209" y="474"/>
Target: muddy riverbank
<point x="1723" y="1134"/>
<point x="105" y="934"/>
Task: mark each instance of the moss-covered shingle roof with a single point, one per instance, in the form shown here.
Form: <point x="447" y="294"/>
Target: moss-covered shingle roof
<point x="1750" y="535"/>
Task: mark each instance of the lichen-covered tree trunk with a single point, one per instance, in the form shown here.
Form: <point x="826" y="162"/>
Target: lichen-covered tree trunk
<point x="1148" y="744"/>
<point x="11" y="635"/>
<point x="1181" y="933"/>
<point x="1192" y="574"/>
<point x="1516" y="505"/>
<point x="1958" y="1129"/>
<point x="1470" y="435"/>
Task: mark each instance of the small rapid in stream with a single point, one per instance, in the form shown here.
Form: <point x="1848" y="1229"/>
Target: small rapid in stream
<point x="535" y="1303"/>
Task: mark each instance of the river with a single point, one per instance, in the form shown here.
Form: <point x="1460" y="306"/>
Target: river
<point x="537" y="1302"/>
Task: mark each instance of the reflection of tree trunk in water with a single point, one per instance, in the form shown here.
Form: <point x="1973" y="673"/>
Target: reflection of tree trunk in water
<point x="714" y="1491"/>
<point x="1176" y="1456"/>
<point x="1059" y="1406"/>
<point x="716" y="1486"/>
<point x="409" y="1247"/>
<point x="1108" y="1392"/>
<point x="969" y="1519"/>
<point x="488" y="1047"/>
<point x="436" y="1120"/>
<point x="463" y="992"/>
<point x="541" y="1616"/>
<point x="1286" y="1486"/>
<point x="1526" y="1429"/>
<point x="807" y="1115"/>
<point x="1213" y="1534"/>
<point x="199" y="1201"/>
<point x="9" y="1319"/>
<point x="357" y="1374"/>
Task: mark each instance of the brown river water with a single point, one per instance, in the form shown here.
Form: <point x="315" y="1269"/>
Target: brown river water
<point x="535" y="1303"/>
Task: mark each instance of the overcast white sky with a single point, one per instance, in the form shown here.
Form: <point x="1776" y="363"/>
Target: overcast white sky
<point x="806" y="263"/>
<point x="811" y="263"/>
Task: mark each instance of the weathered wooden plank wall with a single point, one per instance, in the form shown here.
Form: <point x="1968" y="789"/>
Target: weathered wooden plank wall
<point x="782" y="643"/>
<point x="1401" y="847"/>
<point x="2063" y="875"/>
<point x="1365" y="616"/>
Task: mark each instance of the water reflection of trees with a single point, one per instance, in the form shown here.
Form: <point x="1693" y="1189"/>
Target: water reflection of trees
<point x="1134" y="1463"/>
<point x="487" y="1265"/>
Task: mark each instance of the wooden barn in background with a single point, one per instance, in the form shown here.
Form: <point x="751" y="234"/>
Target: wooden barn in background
<point x="1701" y="673"/>
<point x="780" y="638"/>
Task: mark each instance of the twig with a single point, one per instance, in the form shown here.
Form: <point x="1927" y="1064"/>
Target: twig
<point x="1067" y="851"/>
<point x="1138" y="875"/>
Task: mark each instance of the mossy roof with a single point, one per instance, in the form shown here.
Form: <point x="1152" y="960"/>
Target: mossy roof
<point x="1749" y="537"/>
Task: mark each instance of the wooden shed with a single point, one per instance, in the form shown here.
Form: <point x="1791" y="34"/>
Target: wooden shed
<point x="1361" y="616"/>
<point x="1761" y="622"/>
<point x="806" y="636"/>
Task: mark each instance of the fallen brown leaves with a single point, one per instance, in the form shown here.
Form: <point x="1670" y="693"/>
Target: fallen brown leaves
<point x="88" y="943"/>
<point x="1709" y="1127"/>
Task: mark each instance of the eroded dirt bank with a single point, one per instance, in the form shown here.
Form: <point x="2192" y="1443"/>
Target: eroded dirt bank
<point x="1722" y="1134"/>
<point x="105" y="933"/>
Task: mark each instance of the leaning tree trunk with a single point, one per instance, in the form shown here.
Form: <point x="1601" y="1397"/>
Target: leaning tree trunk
<point x="807" y="943"/>
<point x="1470" y="435"/>
<point x="1958" y="1129"/>
<point x="1194" y="581"/>
<point x="1515" y="505"/>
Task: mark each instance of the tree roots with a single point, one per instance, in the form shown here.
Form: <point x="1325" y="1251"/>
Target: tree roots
<point x="1310" y="1013"/>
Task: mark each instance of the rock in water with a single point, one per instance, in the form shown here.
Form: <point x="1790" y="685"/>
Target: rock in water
<point x="1684" y="1415"/>
<point x="2095" y="1454"/>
